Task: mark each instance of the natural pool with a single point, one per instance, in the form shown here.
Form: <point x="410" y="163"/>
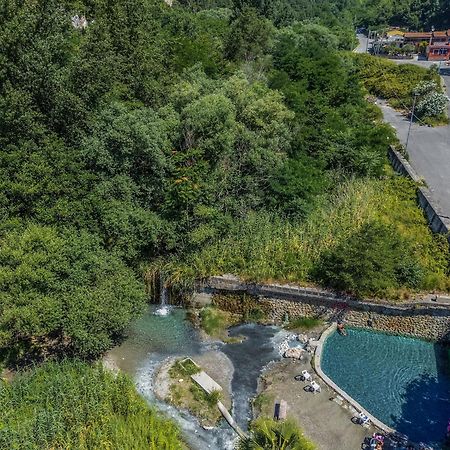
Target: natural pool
<point x="404" y="382"/>
<point x="153" y="338"/>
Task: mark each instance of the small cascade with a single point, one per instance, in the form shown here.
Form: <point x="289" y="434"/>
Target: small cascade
<point x="164" y="308"/>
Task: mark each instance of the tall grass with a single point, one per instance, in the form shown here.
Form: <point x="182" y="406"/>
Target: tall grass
<point x="263" y="247"/>
<point x="73" y="405"/>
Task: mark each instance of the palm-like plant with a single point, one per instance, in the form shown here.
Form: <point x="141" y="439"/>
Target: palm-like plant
<point x="266" y="434"/>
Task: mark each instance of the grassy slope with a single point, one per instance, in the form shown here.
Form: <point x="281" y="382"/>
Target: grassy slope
<point x="78" y="406"/>
<point x="267" y="248"/>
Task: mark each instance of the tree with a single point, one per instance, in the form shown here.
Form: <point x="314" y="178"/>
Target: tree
<point x="369" y="262"/>
<point x="296" y="185"/>
<point x="249" y="36"/>
<point x="61" y="292"/>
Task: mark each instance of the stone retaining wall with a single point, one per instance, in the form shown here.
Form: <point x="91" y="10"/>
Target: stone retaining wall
<point x="424" y="320"/>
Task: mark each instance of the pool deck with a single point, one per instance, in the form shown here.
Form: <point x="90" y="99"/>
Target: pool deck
<point x="317" y="367"/>
<point x="325" y="422"/>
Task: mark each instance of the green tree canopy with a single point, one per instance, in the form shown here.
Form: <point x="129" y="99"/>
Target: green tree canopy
<point x="60" y="291"/>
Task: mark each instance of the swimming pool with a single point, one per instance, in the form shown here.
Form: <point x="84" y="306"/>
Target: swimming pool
<point x="404" y="382"/>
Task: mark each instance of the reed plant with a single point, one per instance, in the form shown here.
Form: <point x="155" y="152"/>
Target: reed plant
<point x="74" y="405"/>
<point x="265" y="248"/>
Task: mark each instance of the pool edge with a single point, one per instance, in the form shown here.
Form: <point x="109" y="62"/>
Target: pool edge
<point x="318" y="368"/>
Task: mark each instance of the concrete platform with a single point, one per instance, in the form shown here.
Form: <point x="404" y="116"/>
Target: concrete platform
<point x="206" y="382"/>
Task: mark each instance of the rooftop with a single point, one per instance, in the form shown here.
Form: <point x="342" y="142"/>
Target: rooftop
<point x="418" y="35"/>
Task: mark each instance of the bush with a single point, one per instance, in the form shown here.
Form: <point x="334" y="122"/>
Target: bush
<point x="78" y="406"/>
<point x="371" y="261"/>
<point x="432" y="105"/>
<point x="385" y="79"/>
<point x="266" y="434"/>
<point x="62" y="292"/>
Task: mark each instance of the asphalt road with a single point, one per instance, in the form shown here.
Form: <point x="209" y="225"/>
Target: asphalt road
<point x="428" y="150"/>
<point x="362" y="44"/>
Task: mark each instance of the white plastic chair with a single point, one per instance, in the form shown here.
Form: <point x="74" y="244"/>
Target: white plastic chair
<point x="315" y="387"/>
<point x="306" y="375"/>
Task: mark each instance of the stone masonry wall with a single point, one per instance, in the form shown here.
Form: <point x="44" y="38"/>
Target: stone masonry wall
<point x="425" y="326"/>
<point x="423" y="320"/>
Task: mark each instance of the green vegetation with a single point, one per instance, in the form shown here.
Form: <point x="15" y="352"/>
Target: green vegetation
<point x="185" y="141"/>
<point x="304" y="323"/>
<point x="266" y="434"/>
<point x="204" y="138"/>
<point x="62" y="291"/>
<point x="262" y="248"/>
<point x="186" y="393"/>
<point x="416" y="15"/>
<point x="261" y="401"/>
<point x="187" y="367"/>
<point x="393" y="82"/>
<point x="214" y="321"/>
<point x="79" y="406"/>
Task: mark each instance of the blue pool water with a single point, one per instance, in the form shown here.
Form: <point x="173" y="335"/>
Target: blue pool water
<point x="404" y="382"/>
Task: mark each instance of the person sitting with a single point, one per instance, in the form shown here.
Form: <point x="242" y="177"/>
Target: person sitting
<point x="341" y="328"/>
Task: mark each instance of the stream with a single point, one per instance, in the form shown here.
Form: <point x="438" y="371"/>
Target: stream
<point x="153" y="338"/>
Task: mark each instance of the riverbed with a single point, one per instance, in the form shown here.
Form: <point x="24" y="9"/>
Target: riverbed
<point x="154" y="339"/>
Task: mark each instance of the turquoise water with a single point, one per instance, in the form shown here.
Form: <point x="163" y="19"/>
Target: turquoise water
<point x="404" y="382"/>
<point x="153" y="338"/>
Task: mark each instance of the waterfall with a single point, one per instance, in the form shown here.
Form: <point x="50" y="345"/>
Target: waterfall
<point x="164" y="307"/>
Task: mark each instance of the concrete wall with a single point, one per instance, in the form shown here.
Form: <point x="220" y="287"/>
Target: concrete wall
<point x="438" y="222"/>
<point x="426" y="320"/>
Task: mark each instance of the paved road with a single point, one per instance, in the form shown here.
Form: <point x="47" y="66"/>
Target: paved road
<point x="428" y="150"/>
<point x="362" y="44"/>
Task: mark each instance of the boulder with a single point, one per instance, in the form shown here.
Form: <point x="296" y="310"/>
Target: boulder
<point x="294" y="352"/>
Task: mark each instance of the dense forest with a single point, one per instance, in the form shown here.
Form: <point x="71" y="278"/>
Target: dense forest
<point x="416" y="15"/>
<point x="183" y="141"/>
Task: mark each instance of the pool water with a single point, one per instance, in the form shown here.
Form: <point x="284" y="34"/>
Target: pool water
<point x="404" y="382"/>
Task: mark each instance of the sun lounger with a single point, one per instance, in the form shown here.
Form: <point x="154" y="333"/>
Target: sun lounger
<point x="306" y="375"/>
<point x="315" y="387"/>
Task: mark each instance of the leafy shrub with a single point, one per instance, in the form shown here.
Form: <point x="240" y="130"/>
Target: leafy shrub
<point x="432" y="104"/>
<point x="266" y="434"/>
<point x="372" y="260"/>
<point x="425" y="87"/>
